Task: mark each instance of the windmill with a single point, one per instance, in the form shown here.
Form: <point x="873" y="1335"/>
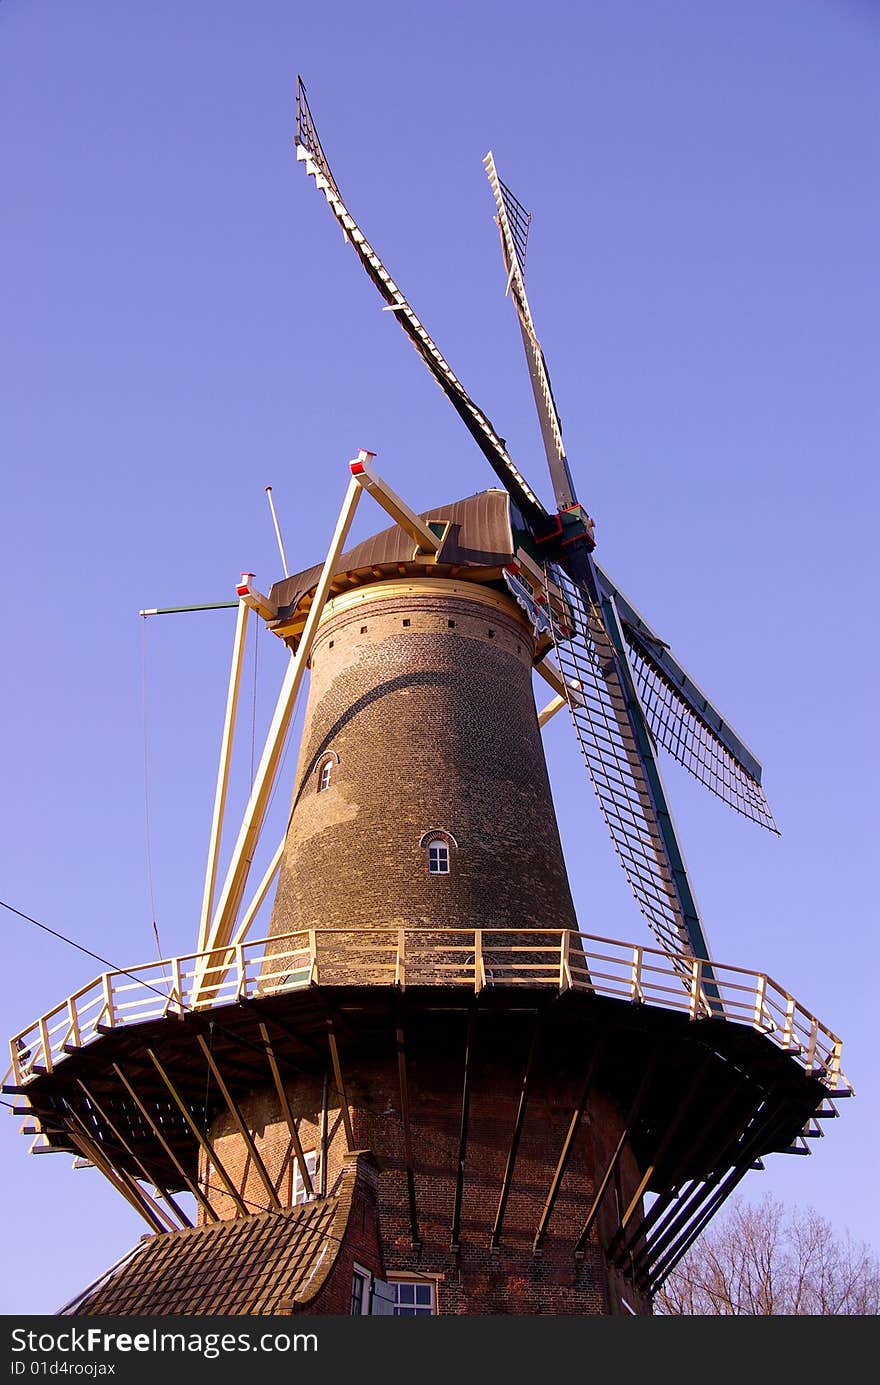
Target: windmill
<point x="426" y="1089"/>
<point x="624" y="689"/>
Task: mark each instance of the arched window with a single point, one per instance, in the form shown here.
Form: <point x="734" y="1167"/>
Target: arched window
<point x="437" y="843"/>
<point x="438" y="857"/>
<point x="325" y="774"/>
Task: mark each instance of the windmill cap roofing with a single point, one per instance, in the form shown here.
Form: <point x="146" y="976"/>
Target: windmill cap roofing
<point x="480" y="536"/>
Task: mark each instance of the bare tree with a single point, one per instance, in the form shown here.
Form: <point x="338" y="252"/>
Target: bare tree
<point x="764" y="1260"/>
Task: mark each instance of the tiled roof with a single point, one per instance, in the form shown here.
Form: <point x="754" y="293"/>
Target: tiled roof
<point x="269" y="1263"/>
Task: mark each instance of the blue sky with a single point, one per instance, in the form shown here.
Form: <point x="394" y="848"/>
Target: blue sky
<point x="182" y="325"/>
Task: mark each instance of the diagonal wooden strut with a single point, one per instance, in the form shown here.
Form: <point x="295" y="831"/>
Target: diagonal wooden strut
<point x="192" y="1186"/>
<point x="292" y="1131"/>
<point x="568" y="1142"/>
<point x="241" y="1126"/>
<point x="204" y="1143"/>
<point x="626" y="1250"/>
<point x="340" y="1084"/>
<point x="407" y="1134"/>
<point x="625" y="1134"/>
<point x="693" y="1091"/>
<point x="238" y="646"/>
<point x="150" y="1177"/>
<point x="121" y="1181"/>
<point x="455" y="1232"/>
<point x="229" y="902"/>
<point x="516" y="1134"/>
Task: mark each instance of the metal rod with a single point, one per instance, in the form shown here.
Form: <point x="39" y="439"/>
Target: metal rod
<point x="204" y="1143"/>
<point x="288" y="1114"/>
<point x="238" y="645"/>
<point x="277" y="532"/>
<point x="243" y="1130"/>
<point x="177" y="610"/>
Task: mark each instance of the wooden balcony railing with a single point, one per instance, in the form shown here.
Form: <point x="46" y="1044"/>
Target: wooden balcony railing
<point x="409" y="957"/>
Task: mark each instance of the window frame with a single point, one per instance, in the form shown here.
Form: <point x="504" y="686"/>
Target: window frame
<point x="298" y="1194"/>
<point x="325" y="774"/>
<point x="414" y="1282"/>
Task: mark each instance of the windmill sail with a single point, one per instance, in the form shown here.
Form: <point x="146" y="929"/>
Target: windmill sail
<point x="513" y="224"/>
<point x="310" y="152"/>
<point x="610" y="728"/>
<point x="683" y="720"/>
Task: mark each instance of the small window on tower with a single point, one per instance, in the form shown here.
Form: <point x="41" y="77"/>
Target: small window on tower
<point x="325" y="775"/>
<point x="438" y="857"/>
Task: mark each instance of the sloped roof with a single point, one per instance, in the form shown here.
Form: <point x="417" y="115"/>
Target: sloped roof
<point x="480" y="535"/>
<point x="272" y="1262"/>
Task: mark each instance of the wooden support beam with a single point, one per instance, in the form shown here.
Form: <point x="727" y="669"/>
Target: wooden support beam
<point x="552" y="707"/>
<point x="325" y="1122"/>
<point x="238" y="645"/>
<point x="625" y="1134"/>
<point x="178" y="1211"/>
<point x="340" y="1085"/>
<point x="455" y="1234"/>
<point x="691" y="1093"/>
<point x="229" y="902"/>
<point x="424" y="538"/>
<point x="296" y="1143"/>
<point x="407" y="1134"/>
<point x="515" y="1135"/>
<point x="241" y="1126"/>
<point x="120" y="1180"/>
<point x="203" y="1141"/>
<point x="625" y="1253"/>
<point x="710" y="1197"/>
<point x="568" y="1142"/>
<point x="684" y="1207"/>
<point x="193" y="1187"/>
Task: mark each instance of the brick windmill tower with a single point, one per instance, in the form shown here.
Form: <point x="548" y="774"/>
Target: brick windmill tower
<point x="426" y="1091"/>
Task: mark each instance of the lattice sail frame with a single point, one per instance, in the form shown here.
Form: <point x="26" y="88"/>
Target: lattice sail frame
<point x="598" y="707"/>
<point x="680" y="730"/>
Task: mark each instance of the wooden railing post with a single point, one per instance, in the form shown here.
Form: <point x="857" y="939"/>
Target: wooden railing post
<point x="479" y="973"/>
<point x="46" y="1046"/>
<point x="313" y="958"/>
<point x="108" y="1000"/>
<point x="636" y="975"/>
<point x="760" y="991"/>
<point x="564" y="954"/>
<point x="177" y="985"/>
<point x="788" y="1031"/>
<point x="73" y="1017"/>
<point x="696" y="987"/>
<point x="400" y="960"/>
<point x="241" y="988"/>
